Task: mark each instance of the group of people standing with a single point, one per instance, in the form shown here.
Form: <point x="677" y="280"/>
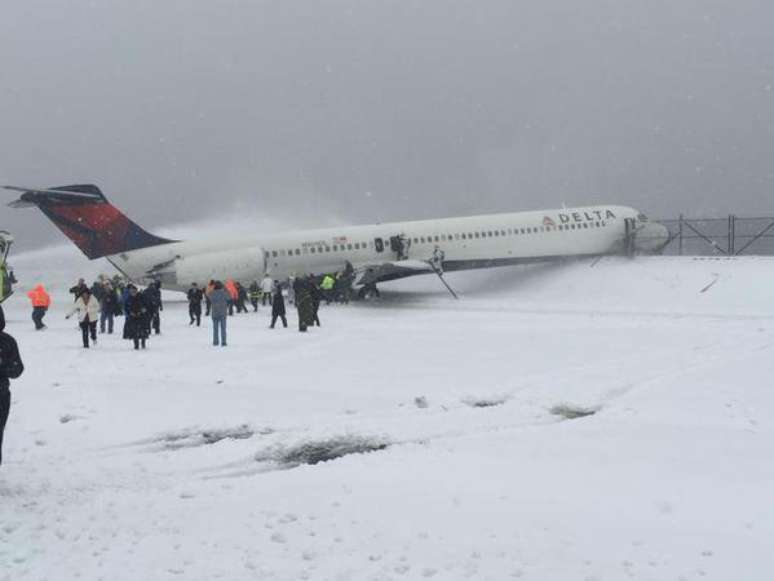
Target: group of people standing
<point x="101" y="303"/>
<point x="221" y="299"/>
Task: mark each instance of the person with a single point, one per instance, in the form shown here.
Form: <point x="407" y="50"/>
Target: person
<point x="87" y="307"/>
<point x="289" y="284"/>
<point x="119" y="288"/>
<point x="109" y="305"/>
<point x="342" y="288"/>
<point x="267" y="285"/>
<point x="219" y="299"/>
<point x="137" y="314"/>
<point x="11" y="367"/>
<point x="207" y="293"/>
<point x="326" y="286"/>
<point x="195" y="297"/>
<point x="303" y="303"/>
<point x="97" y="290"/>
<point x="278" y="308"/>
<point x="317" y="295"/>
<point x="40" y="302"/>
<point x="254" y="293"/>
<point x="241" y="297"/>
<point x="436" y="261"/>
<point x="78" y="288"/>
<point x="153" y="296"/>
<point x="233" y="295"/>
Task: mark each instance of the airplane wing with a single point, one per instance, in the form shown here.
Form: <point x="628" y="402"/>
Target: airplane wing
<point x="384" y="271"/>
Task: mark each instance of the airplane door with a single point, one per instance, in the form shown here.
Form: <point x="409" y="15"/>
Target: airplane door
<point x="379" y="244"/>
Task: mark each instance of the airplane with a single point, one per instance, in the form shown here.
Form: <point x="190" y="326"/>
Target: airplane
<point x="371" y="253"/>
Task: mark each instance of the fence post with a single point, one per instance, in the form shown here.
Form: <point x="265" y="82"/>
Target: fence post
<point x="680" y="239"/>
<point x="731" y="234"/>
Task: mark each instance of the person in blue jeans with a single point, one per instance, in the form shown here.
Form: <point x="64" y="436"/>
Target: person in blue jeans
<point x="219" y="300"/>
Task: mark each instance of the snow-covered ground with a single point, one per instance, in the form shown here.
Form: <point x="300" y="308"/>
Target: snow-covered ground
<point x="189" y="461"/>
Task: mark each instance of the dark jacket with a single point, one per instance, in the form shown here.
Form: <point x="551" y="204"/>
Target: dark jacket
<point x="109" y="301"/>
<point x="77" y="290"/>
<point x="195" y="297"/>
<point x="137" y="321"/>
<point x="278" y="304"/>
<point x="11" y="365"/>
<point x="153" y="296"/>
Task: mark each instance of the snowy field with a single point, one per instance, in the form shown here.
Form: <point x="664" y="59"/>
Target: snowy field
<point x="460" y="456"/>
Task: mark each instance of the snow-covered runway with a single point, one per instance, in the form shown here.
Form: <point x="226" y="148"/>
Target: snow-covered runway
<point x="189" y="461"/>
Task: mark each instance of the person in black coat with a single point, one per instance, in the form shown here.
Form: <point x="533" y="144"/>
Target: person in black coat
<point x="138" y="312"/>
<point x="241" y="298"/>
<point x="278" y="308"/>
<point x="317" y="297"/>
<point x="153" y="298"/>
<point x="11" y="367"/>
<point x="195" y="298"/>
<point x="303" y="303"/>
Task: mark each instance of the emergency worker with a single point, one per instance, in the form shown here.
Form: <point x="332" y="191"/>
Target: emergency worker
<point x="254" y="292"/>
<point x="40" y="302"/>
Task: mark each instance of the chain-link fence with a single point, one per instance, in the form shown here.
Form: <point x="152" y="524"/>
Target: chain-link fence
<point x="729" y="236"/>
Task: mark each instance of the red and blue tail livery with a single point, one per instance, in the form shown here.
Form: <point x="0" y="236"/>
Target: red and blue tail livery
<point x="86" y="217"/>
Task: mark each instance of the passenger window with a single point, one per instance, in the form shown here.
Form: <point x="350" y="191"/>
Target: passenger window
<point x="298" y="251"/>
<point x="274" y="253"/>
<point x="312" y="250"/>
<point x="436" y="238"/>
<point x="463" y="236"/>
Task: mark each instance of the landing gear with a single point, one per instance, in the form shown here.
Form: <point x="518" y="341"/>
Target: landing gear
<point x="368" y="291"/>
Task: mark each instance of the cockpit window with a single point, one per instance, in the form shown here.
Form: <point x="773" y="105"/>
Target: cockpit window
<point x="642" y="217"/>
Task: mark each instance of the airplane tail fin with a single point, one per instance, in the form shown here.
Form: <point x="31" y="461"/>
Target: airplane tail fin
<point x="86" y="217"/>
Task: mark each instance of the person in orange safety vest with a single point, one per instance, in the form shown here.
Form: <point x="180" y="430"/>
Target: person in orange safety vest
<point x="40" y="303"/>
<point x="231" y="289"/>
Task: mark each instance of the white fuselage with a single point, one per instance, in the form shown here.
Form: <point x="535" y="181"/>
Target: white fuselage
<point x="470" y="242"/>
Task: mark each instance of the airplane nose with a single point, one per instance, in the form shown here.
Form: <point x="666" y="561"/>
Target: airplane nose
<point x="652" y="237"/>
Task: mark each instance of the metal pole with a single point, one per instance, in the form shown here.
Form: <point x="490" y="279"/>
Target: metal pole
<point x="680" y="242"/>
<point x="731" y="225"/>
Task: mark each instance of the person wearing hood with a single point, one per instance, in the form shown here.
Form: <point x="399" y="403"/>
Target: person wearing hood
<point x="87" y="307"/>
<point x="11" y="367"/>
<point x="40" y="302"/>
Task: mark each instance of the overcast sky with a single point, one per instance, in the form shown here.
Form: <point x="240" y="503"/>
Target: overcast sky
<point x="385" y="110"/>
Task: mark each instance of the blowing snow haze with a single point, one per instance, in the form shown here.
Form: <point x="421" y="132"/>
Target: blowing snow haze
<point x="379" y="111"/>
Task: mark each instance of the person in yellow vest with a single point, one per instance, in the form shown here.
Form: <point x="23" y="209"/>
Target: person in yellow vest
<point x="326" y="286"/>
